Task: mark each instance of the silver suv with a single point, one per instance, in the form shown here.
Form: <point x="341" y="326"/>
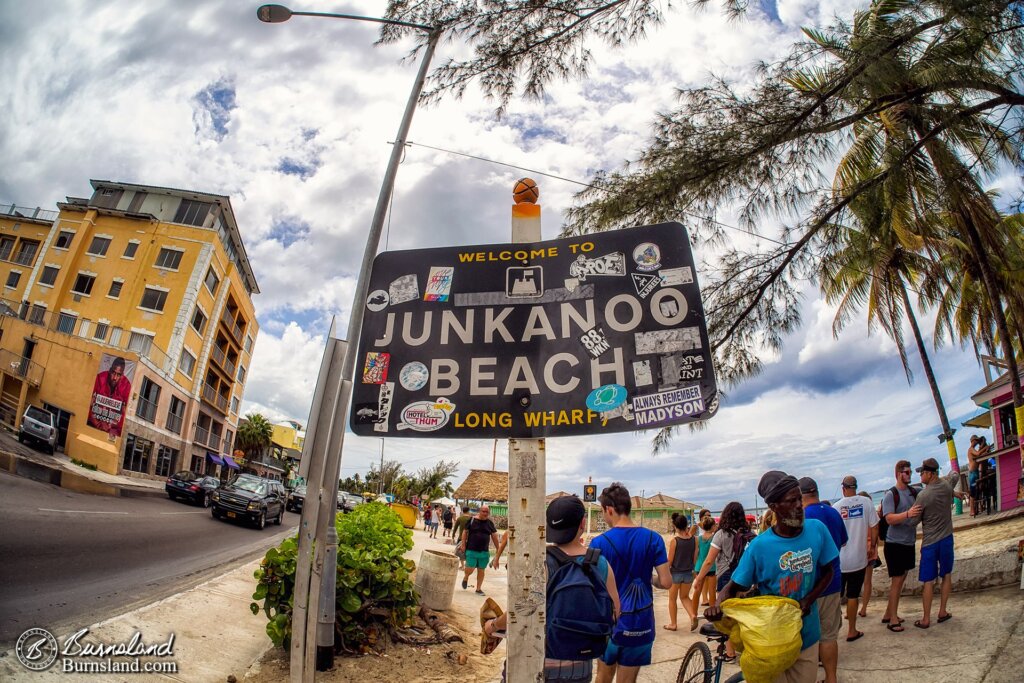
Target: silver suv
<point x="40" y="426"/>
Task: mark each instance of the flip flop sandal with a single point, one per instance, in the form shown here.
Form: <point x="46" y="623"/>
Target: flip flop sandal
<point x="860" y="634"/>
<point x="895" y="628"/>
<point x="945" y="618"/>
<point x="920" y="625"/>
<point x="886" y="621"/>
<point x="489" y="610"/>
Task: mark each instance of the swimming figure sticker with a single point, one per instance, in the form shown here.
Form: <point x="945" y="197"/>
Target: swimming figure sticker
<point x="607" y="397"/>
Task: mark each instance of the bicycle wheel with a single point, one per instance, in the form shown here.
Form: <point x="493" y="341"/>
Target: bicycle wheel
<point x="696" y="667"/>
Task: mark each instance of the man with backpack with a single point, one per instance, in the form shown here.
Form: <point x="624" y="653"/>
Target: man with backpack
<point x="633" y="553"/>
<point x="898" y="528"/>
<point x="582" y="601"/>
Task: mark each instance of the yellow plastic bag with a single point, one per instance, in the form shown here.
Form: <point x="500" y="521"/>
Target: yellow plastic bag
<point x="766" y="631"/>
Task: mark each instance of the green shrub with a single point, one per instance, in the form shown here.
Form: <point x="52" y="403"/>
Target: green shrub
<point x="374" y="590"/>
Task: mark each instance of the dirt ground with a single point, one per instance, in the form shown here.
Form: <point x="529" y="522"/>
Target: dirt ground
<point x="1008" y="529"/>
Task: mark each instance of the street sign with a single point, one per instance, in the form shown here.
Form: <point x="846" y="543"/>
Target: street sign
<point x="585" y="335"/>
<point x="590" y="493"/>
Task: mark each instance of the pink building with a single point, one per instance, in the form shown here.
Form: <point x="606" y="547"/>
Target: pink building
<point x="998" y="415"/>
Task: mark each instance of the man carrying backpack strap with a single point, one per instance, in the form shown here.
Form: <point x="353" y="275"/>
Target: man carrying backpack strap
<point x="901" y="514"/>
<point x="582" y="601"/>
<point x="634" y="553"/>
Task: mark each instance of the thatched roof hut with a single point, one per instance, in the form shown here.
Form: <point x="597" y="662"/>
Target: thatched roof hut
<point x="660" y="500"/>
<point x="487" y="485"/>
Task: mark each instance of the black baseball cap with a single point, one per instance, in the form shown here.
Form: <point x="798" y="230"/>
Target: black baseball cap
<point x="808" y="485"/>
<point x="564" y="516"/>
<point x="929" y="465"/>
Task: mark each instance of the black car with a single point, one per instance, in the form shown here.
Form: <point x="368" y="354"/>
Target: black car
<point x="195" y="488"/>
<point x="251" y="499"/>
<point x="296" y="499"/>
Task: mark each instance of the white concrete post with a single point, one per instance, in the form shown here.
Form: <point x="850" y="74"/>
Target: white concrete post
<point x="526" y="523"/>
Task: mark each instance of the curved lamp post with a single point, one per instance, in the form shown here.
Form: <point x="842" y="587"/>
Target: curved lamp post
<point x="324" y="472"/>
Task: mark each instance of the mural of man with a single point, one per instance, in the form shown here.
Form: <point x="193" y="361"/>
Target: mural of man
<point x="110" y="393"/>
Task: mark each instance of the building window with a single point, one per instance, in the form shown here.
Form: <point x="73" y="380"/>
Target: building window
<point x="136" y="204"/>
<point x="140" y="343"/>
<point x="83" y="328"/>
<point x="83" y="284"/>
<point x="149" y="397"/>
<point x="130" y="249"/>
<point x="199" y="321"/>
<point x="26" y="252"/>
<point x="115" y="336"/>
<point x="101" y="331"/>
<point x="169" y="259"/>
<point x="99" y="246"/>
<point x="136" y="453"/>
<point x="187" y="364"/>
<point x="166" y="461"/>
<point x="12" y="279"/>
<point x="153" y="299"/>
<point x="6" y="247"/>
<point x="49" y="276"/>
<point x="241" y="373"/>
<point x="175" y="415"/>
<point x="66" y="323"/>
<point x="197" y="464"/>
<point x="248" y="343"/>
<point x="115" y="289"/>
<point x="234" y="405"/>
<point x="37" y="316"/>
<point x="212" y="281"/>
<point x="64" y="240"/>
<point x="191" y="212"/>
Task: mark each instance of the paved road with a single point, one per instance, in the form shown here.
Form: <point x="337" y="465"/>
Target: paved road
<point x="72" y="559"/>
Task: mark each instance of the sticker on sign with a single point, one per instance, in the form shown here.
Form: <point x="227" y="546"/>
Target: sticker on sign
<point x="652" y="409"/>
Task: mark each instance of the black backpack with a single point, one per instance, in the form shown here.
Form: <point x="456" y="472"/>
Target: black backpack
<point x="883" y="526"/>
<point x="579" y="609"/>
<point x="740" y="541"/>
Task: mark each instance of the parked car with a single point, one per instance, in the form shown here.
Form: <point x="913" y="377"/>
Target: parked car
<point x="296" y="499"/>
<point x="347" y="502"/>
<point x="195" y="488"/>
<point x="251" y="499"/>
<point x="39" y="426"/>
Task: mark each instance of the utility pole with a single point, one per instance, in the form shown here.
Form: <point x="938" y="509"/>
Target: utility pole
<point x="380" y="486"/>
<point x="526" y="522"/>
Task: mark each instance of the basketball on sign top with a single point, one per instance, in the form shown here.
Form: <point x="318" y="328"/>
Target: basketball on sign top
<point x="526" y="191"/>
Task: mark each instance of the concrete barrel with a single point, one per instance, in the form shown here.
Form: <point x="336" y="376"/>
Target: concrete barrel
<point x="435" y="579"/>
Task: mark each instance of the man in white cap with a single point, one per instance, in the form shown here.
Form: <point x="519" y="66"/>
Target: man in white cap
<point x="861" y="522"/>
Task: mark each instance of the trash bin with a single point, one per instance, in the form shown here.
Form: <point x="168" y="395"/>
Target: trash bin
<point x="435" y="579"/>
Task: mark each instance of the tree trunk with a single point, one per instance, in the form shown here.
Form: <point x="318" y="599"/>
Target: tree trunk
<point x="940" y="408"/>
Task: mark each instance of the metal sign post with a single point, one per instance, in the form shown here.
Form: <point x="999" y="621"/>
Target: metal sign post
<point x="526" y="523"/>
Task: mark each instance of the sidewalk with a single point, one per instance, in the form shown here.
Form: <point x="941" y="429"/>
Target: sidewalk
<point x="215" y="634"/>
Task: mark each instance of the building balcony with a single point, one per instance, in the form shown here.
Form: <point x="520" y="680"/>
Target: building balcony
<point x="211" y="397"/>
<point x="22" y="367"/>
<point x="146" y="410"/>
<point x="35" y="214"/>
<point x="174" y="423"/>
<point x="202" y="436"/>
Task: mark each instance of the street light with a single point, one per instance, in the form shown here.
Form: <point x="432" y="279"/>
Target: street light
<point x="326" y="537"/>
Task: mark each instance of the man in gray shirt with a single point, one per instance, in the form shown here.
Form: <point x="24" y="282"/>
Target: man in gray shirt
<point x="936" y="502"/>
<point x="899" y="511"/>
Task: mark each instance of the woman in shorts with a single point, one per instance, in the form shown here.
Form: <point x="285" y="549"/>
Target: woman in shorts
<point x="682" y="553"/>
<point x="707" y="532"/>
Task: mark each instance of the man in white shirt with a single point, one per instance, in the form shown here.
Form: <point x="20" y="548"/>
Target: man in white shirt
<point x="861" y="522"/>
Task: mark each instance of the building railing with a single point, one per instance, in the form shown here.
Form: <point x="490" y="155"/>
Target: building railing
<point x="28" y="370"/>
<point x="174" y="423"/>
<point x="146" y="410"/>
<point x="26" y="212"/>
<point x="202" y="436"/>
<point x="218" y="355"/>
<point x="72" y="326"/>
<point x="222" y="403"/>
<point x="209" y="394"/>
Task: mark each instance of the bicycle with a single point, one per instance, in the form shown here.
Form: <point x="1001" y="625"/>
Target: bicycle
<point x="697" y="666"/>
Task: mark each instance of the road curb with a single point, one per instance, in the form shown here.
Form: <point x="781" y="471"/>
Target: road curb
<point x="55" y="474"/>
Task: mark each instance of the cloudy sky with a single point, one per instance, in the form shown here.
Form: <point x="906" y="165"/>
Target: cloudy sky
<point x="293" y="121"/>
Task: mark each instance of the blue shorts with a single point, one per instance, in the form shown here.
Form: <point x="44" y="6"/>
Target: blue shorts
<point x="682" y="577"/>
<point x="723" y="579"/>
<point x="936" y="560"/>
<point x="637" y="655"/>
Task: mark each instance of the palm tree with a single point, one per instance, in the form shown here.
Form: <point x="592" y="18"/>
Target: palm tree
<point x="254" y="435"/>
<point x="871" y="267"/>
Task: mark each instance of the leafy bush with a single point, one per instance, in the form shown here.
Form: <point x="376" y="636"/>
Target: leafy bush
<point x="374" y="590"/>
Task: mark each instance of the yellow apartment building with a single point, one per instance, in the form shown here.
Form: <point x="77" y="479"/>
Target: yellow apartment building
<point x="129" y="316"/>
<point x="289" y="434"/>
